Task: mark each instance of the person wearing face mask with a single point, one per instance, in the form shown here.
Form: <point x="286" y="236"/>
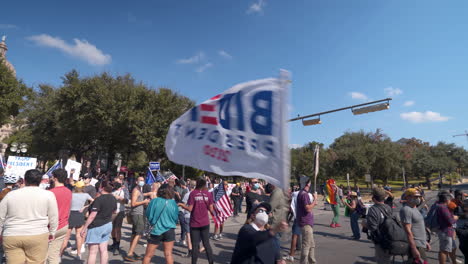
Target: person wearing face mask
<point x="138" y="202"/>
<point x="253" y="197"/>
<point x="305" y="219"/>
<point x="254" y="243"/>
<point x="10" y="182"/>
<point x="413" y="223"/>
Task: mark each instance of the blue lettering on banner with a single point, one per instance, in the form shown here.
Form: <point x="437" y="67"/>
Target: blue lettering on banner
<point x="230" y="116"/>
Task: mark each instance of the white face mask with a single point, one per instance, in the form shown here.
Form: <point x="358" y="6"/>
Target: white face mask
<point x="44" y="185"/>
<point x="141" y="183"/>
<point x="261" y="219"/>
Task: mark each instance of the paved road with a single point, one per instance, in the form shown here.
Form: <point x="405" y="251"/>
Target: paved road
<point x="332" y="245"/>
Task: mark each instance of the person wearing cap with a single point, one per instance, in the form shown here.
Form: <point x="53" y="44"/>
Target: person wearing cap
<point x="413" y="223"/>
<point x="255" y="243"/>
<point x="64" y="197"/>
<point x="351" y="204"/>
<point x="77" y="219"/>
<point x="390" y="197"/>
<point x="374" y="219"/>
<point x="446" y="233"/>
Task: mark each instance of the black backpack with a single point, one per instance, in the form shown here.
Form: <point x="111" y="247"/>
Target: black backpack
<point x="392" y="235"/>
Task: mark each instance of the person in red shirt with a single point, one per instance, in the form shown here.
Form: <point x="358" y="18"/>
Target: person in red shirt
<point x="64" y="197"/>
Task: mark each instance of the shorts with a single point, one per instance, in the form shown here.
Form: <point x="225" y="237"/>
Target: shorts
<point x="446" y="243"/>
<point x="76" y="219"/>
<point x="100" y="234"/>
<point x="296" y="229"/>
<point x="187" y="224"/>
<point x="138" y="226"/>
<point x="118" y="220"/>
<point x="167" y="236"/>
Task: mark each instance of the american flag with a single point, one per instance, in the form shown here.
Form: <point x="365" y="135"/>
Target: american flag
<point x="169" y="176"/>
<point x="159" y="177"/>
<point x="222" y="205"/>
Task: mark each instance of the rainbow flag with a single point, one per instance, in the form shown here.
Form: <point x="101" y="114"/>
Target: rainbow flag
<point x="331" y="192"/>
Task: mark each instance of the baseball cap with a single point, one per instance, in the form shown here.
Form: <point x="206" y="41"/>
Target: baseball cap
<point x="265" y="205"/>
<point x="353" y="194"/>
<point x="79" y="184"/>
<point x="182" y="182"/>
<point x="411" y="192"/>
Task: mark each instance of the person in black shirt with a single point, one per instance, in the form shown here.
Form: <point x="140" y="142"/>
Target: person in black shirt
<point x="236" y="197"/>
<point x="254" y="243"/>
<point x="98" y="227"/>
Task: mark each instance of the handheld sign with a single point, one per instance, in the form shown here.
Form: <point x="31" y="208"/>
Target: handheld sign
<point x="19" y="165"/>
<point x="153" y="165"/>
<point x="241" y="132"/>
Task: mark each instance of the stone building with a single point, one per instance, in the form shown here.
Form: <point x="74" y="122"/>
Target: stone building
<point x="8" y="129"/>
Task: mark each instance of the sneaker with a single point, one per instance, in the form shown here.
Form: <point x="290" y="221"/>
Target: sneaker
<point x="333" y="225"/>
<point x="288" y="258"/>
<point x="74" y="252"/>
<point x="459" y="261"/>
<point x="83" y="248"/>
<point x="337" y="225"/>
<point x="220" y="236"/>
<point x="214" y="237"/>
<point x="188" y="255"/>
<point x="130" y="258"/>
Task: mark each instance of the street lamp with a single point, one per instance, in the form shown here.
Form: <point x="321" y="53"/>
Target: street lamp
<point x="311" y="122"/>
<point x="18" y="147"/>
<point x="364" y="108"/>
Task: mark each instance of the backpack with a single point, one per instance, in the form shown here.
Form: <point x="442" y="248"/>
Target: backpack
<point x="431" y="221"/>
<point x="392" y="236"/>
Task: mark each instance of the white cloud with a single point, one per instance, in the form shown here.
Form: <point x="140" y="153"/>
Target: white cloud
<point x="424" y="117"/>
<point x="408" y="103"/>
<point x="256" y="7"/>
<point x="390" y="91"/>
<point x="224" y="54"/>
<point x="293" y="146"/>
<point x="197" y="58"/>
<point x="8" y="26"/>
<point x="81" y="49"/>
<point x="359" y="96"/>
<point x="204" y="67"/>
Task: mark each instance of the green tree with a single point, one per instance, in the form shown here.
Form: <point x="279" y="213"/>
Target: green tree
<point x="13" y="94"/>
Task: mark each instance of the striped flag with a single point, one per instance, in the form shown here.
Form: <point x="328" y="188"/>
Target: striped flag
<point x="57" y="165"/>
<point x="222" y="205"/>
<point x="169" y="176"/>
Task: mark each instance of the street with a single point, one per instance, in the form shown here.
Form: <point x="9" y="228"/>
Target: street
<point x="333" y="245"/>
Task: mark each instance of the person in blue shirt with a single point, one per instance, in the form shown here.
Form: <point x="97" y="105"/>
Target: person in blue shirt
<point x="162" y="213"/>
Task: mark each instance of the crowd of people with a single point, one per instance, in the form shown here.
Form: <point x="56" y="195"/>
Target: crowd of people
<point x="39" y="214"/>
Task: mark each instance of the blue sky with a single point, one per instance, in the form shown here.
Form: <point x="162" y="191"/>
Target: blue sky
<point x="340" y="53"/>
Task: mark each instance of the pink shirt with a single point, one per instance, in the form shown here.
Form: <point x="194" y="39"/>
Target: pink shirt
<point x="64" y="197"/>
<point x="201" y="200"/>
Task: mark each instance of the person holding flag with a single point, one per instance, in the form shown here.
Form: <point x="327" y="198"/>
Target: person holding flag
<point x="200" y="202"/>
<point x="222" y="208"/>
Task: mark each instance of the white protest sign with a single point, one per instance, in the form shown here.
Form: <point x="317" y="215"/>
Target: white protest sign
<point x="241" y="132"/>
<point x="19" y="165"/>
<point x="73" y="169"/>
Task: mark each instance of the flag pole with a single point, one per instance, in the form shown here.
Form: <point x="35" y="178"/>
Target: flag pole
<point x="285" y="80"/>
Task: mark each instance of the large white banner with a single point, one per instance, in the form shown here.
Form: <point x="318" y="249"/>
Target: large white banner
<point x="19" y="165"/>
<point x="241" y="132"/>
